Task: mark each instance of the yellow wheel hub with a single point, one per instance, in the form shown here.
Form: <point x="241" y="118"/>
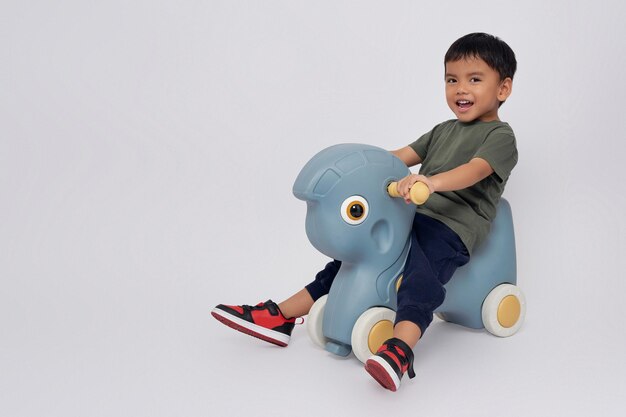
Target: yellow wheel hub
<point x="380" y="332"/>
<point x="509" y="311"/>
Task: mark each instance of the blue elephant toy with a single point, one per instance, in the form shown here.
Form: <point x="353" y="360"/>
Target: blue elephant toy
<point x="352" y="216"/>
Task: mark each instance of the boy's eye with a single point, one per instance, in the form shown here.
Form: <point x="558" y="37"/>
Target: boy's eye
<point x="450" y="81"/>
<point x="474" y="80"/>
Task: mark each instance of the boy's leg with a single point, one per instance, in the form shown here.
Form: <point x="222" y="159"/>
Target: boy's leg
<point x="274" y="322"/>
<point x="323" y="280"/>
<point x="395" y="357"/>
<point x="297" y="305"/>
<point x="300" y="303"/>
<point x="436" y="252"/>
<point x="408" y="332"/>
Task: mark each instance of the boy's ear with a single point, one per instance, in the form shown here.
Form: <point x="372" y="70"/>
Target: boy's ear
<point x="505" y="89"/>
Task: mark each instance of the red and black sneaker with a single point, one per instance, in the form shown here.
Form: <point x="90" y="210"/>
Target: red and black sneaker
<point x="264" y="321"/>
<point x="390" y="363"/>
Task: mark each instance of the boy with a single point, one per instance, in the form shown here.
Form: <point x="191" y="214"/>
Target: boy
<point x="465" y="162"/>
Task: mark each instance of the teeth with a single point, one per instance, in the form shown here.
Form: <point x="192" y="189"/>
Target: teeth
<point x="463" y="102"/>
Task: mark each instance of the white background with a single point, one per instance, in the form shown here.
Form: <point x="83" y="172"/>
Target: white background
<point x="147" y="154"/>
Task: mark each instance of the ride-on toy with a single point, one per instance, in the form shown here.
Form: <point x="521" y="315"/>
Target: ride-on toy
<point x="353" y="215"/>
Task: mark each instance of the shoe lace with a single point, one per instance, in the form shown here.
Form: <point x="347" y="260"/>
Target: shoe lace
<point x="272" y="308"/>
<point x="402" y="356"/>
<point x="267" y="305"/>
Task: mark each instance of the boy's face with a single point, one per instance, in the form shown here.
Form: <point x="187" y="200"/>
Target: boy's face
<point x="474" y="90"/>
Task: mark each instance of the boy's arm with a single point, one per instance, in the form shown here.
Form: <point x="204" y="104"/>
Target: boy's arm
<point x="458" y="178"/>
<point x="462" y="176"/>
<point x="408" y="156"/>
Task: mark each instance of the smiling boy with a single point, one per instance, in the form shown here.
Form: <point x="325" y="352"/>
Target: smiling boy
<point x="465" y="162"/>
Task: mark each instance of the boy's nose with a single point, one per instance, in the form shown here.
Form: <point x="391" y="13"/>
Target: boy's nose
<point x="461" y="89"/>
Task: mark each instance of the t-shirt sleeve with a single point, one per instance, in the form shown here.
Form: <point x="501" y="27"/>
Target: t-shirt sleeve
<point x="421" y="145"/>
<point x="500" y="151"/>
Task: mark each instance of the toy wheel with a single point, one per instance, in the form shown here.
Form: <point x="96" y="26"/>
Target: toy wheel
<point x="503" y="310"/>
<point x="315" y="320"/>
<point x="371" y="329"/>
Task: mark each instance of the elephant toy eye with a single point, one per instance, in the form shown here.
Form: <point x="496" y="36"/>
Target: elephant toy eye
<point x="354" y="210"/>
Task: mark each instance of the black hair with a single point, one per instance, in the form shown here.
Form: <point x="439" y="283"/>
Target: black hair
<point x="491" y="49"/>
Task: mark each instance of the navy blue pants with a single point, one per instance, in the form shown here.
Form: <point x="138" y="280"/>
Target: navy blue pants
<point x="436" y="252"/>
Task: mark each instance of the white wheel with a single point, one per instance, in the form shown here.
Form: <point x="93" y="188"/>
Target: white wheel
<point x="315" y="320"/>
<point x="371" y="329"/>
<point x="504" y="310"/>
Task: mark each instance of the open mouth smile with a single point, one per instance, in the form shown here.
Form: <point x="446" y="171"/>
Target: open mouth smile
<point x="464" y="105"/>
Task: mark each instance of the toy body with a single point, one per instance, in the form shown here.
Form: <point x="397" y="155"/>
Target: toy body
<point x="352" y="217"/>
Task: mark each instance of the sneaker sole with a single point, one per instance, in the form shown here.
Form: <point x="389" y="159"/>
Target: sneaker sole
<point x="383" y="373"/>
<point x="251" y="329"/>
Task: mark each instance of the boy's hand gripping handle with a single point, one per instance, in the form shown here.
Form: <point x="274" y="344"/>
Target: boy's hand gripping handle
<point x="419" y="192"/>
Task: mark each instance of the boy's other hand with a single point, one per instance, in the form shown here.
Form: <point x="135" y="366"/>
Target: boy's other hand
<point x="405" y="184"/>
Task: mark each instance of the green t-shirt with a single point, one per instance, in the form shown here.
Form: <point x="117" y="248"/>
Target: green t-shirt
<point x="469" y="212"/>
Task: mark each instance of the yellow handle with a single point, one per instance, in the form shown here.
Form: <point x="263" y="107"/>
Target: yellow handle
<point x="419" y="192"/>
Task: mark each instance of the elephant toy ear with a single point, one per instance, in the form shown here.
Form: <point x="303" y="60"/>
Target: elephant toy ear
<point x="387" y="280"/>
<point x="382" y="235"/>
